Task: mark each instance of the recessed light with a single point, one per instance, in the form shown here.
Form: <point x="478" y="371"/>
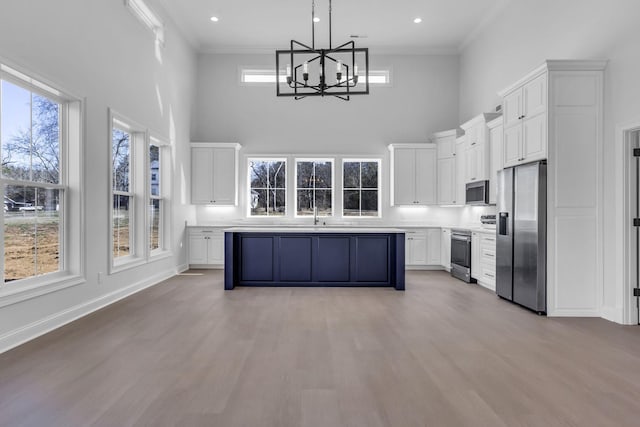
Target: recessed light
<point x="417" y="20"/>
<point x="316" y="19"/>
<point x="214" y="19"/>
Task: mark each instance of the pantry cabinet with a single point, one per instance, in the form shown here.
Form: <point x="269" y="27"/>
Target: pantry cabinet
<point x="214" y="174"/>
<point x="413" y="174"/>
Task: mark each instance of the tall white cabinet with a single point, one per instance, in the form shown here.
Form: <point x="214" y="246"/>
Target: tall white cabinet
<point x="556" y="112"/>
<point x="413" y="174"/>
<point x="495" y="159"/>
<point x="446" y="148"/>
<point x="214" y="173"/>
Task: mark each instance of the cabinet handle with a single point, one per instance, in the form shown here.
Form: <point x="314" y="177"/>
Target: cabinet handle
<point x="473" y="143"/>
<point x="490" y="275"/>
<point x="490" y="255"/>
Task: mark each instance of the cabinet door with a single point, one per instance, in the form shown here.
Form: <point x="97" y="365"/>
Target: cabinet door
<point x="416" y="244"/>
<point x="224" y="176"/>
<point x="404" y="176"/>
<point x="512" y="106"/>
<point x="534" y="138"/>
<point x="446" y="181"/>
<point x="433" y="247"/>
<point x="197" y="249"/>
<point x="446" y="147"/>
<point x="512" y="146"/>
<point x="482" y="161"/>
<point x="475" y="255"/>
<point x="215" y="248"/>
<point x="495" y="141"/>
<point x="445" y="248"/>
<point x="534" y="97"/>
<point x="426" y="176"/>
<point x="202" y="175"/>
<point x="472" y="161"/>
<point x="461" y="165"/>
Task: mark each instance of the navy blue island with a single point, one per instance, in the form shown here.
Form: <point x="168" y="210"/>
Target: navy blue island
<point x="314" y="256"/>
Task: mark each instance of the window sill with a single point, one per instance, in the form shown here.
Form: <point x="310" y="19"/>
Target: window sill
<point x="159" y="255"/>
<point x="126" y="264"/>
<point x="23" y="292"/>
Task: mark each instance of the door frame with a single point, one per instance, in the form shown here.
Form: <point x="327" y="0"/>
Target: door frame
<point x="627" y="311"/>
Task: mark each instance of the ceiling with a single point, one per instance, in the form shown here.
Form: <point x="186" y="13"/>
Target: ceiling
<point x="256" y="25"/>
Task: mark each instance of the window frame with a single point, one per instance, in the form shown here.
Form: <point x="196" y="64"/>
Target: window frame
<point x="284" y="159"/>
<point x="71" y="255"/>
<point x="379" y="188"/>
<point x="331" y="160"/>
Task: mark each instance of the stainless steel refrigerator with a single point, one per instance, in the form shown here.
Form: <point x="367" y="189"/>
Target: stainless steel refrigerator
<point x="521" y="244"/>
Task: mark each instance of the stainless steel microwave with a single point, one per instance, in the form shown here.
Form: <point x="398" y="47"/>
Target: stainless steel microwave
<point x="477" y="193"/>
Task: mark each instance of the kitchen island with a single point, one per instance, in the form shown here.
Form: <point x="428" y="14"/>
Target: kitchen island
<point x="314" y="256"/>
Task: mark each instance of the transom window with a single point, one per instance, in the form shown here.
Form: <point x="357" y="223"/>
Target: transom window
<point x="314" y="187"/>
<point x="268" y="187"/>
<point x="361" y="188"/>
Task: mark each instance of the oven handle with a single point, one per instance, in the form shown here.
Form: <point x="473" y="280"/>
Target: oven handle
<point x="461" y="238"/>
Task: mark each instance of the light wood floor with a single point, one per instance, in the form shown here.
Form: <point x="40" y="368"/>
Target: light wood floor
<point x="443" y="353"/>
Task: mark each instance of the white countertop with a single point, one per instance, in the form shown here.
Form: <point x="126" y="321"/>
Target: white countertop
<point x="319" y="229"/>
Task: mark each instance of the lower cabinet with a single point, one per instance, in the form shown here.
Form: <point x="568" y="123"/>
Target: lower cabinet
<point x="483" y="258"/>
<point x="422" y="247"/>
<point x="445" y="248"/>
<point x="206" y="247"/>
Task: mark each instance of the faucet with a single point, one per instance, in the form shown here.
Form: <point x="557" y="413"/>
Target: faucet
<point x="316" y="220"/>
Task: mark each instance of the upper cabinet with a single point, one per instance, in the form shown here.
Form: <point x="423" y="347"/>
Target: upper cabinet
<point x="446" y="149"/>
<point x="214" y="174"/>
<point x="477" y="147"/>
<point x="495" y="163"/>
<point x="525" y="120"/>
<point x="460" y="186"/>
<point x="413" y="174"/>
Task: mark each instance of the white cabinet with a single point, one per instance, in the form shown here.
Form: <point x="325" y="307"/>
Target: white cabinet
<point x="485" y="259"/>
<point x="433" y="247"/>
<point x="460" y="184"/>
<point x="525" y="121"/>
<point x="416" y="248"/>
<point x="445" y="248"/>
<point x="413" y="174"/>
<point x="495" y="164"/>
<point x="422" y="247"/>
<point x="475" y="255"/>
<point x="446" y="151"/>
<point x="477" y="147"/>
<point x="206" y="246"/>
<point x="214" y="173"/>
<point x="562" y="105"/>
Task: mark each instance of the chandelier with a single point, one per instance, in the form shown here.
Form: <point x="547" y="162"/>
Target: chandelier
<point x="322" y="72"/>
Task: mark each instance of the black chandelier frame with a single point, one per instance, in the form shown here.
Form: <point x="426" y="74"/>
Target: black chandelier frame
<point x="342" y="89"/>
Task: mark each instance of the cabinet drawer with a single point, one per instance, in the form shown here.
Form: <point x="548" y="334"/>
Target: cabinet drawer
<point x="488" y="275"/>
<point x="205" y="231"/>
<point x="488" y="257"/>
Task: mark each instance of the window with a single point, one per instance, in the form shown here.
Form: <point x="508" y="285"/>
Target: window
<point x="255" y="76"/>
<point x="268" y="188"/>
<point x="314" y="187"/>
<point x="122" y="194"/>
<point x="157" y="194"/>
<point x="41" y="219"/>
<point x="361" y="188"/>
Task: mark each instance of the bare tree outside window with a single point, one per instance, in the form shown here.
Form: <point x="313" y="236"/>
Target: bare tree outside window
<point x="268" y="192"/>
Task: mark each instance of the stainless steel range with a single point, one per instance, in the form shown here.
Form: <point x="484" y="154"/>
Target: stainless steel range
<point x="461" y="254"/>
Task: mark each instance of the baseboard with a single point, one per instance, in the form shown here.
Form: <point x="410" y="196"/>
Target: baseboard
<point x="573" y="312"/>
<point x="613" y="314"/>
<point x="182" y="268"/>
<point x="33" y="330"/>
<point x="424" y="268"/>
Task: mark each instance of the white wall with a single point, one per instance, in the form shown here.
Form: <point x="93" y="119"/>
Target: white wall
<point x="423" y="99"/>
<point x="527" y="32"/>
<point x="99" y="51"/>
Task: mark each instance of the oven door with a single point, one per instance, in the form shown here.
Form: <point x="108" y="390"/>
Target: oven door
<point x="461" y="250"/>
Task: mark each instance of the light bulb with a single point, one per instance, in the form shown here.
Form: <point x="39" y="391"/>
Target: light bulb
<point x="305" y="67"/>
<point x="288" y="70"/>
<point x="355" y="70"/>
<point x="339" y="67"/>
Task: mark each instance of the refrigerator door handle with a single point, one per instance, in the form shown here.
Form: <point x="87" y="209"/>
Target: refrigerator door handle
<point x="503" y="224"/>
